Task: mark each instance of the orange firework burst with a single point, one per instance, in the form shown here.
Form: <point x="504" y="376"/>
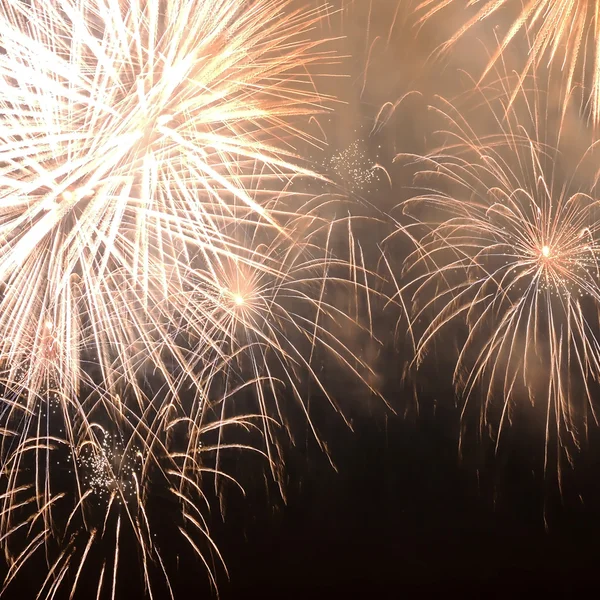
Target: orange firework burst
<point x="510" y="263"/>
<point x="561" y="32"/>
<point x="103" y="497"/>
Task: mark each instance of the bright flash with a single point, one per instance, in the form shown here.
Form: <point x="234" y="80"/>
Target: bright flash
<point x="69" y="195"/>
<point x="238" y="299"/>
<point x="545" y="251"/>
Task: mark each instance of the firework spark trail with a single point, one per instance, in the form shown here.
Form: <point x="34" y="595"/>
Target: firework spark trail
<point x="511" y="251"/>
<point x="126" y="149"/>
<point x="151" y="239"/>
<point x="564" y="33"/>
<point x="111" y="503"/>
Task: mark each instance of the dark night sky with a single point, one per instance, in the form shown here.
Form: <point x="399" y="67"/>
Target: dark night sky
<point x="402" y="515"/>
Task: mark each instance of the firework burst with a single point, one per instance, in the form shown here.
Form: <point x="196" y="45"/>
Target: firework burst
<point x="509" y="268"/>
<point x="283" y="314"/>
<point x="564" y="33"/>
<point x="107" y="498"/>
<point x="153" y="246"/>
<point x="135" y="136"/>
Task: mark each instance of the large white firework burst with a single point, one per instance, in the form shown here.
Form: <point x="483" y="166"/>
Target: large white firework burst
<point x="135" y="136"/>
<point x="150" y="239"/>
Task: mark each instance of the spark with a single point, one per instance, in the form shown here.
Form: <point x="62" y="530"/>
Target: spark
<point x="564" y="33"/>
<point x="510" y="249"/>
<point x="149" y="238"/>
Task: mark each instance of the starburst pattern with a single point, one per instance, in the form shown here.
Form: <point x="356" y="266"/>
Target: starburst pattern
<point x="129" y="149"/>
<point x="509" y="268"/>
<point x="564" y="33"/>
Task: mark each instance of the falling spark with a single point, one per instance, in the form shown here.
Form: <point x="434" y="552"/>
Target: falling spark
<point x="510" y="249"/>
<point x="565" y="33"/>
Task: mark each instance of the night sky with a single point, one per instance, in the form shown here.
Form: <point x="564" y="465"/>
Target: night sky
<point x="391" y="508"/>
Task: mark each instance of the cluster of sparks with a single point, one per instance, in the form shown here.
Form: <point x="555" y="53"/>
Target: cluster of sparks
<point x="158" y="261"/>
<point x="565" y="33"/>
<point x="110" y="465"/>
<point x="155" y="263"/>
<point x="509" y="250"/>
<point x="353" y="168"/>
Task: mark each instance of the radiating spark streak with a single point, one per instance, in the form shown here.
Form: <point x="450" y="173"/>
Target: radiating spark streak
<point x="116" y="559"/>
<point x="150" y="239"/>
<point x="101" y="581"/>
<point x="509" y="249"/>
<point x="81" y="563"/>
<point x="561" y="32"/>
